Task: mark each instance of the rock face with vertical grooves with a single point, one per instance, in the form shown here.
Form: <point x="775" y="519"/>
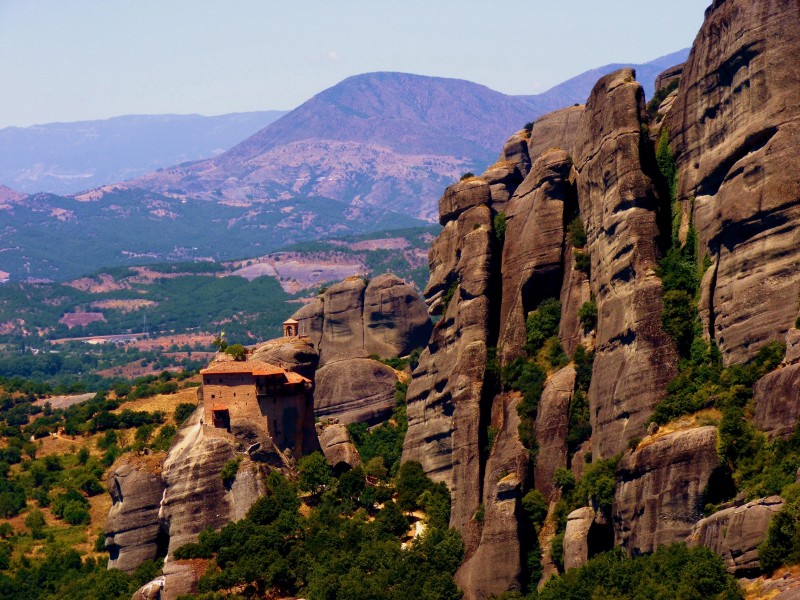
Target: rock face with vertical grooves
<point x="558" y="129"/>
<point x="661" y="489"/>
<point x="734" y="127"/>
<point x="444" y="396"/>
<point x="196" y="498"/>
<point x="502" y="536"/>
<point x="552" y="426"/>
<point x="634" y="357"/>
<point x="352" y="318"/>
<point x="133" y="530"/>
<point x="532" y="258"/>
<point x="735" y="533"/>
<point x="294" y="354"/>
<point x="575" y="291"/>
<point x="355" y="390"/>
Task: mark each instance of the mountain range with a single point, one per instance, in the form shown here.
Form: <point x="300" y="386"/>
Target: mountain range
<point x="65" y="158"/>
<point x="373" y="151"/>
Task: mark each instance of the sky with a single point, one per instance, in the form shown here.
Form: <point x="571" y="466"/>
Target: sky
<point x="70" y="60"/>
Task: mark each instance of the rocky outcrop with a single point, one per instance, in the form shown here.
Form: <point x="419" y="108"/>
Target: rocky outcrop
<point x="661" y="489"/>
<point x="735" y="533"/>
<point x="396" y="320"/>
<point x="777" y="398"/>
<point x="734" y="129"/>
<point x="634" y="358"/>
<point x="294" y="354"/>
<point x="196" y="497"/>
<point x="461" y="196"/>
<point x="552" y="426"/>
<point x="339" y="450"/>
<point x="575" y="292"/>
<point x="133" y="530"/>
<point x="352" y="318"/>
<point x="502" y="536"/>
<point x="532" y="258"/>
<point x="667" y="76"/>
<point x="355" y="390"/>
<point x="777" y="394"/>
<point x="558" y="129"/>
<point x="445" y="417"/>
<point x="515" y="150"/>
<point x="576" y="537"/>
<point x="503" y="178"/>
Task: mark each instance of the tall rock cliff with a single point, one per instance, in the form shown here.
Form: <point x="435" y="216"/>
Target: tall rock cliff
<point x="620" y="209"/>
<point x="734" y="128"/>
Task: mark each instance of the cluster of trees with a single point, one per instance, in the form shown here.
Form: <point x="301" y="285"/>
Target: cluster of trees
<point x="347" y="547"/>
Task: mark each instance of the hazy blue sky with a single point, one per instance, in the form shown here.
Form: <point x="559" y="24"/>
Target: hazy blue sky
<point x="67" y="60"/>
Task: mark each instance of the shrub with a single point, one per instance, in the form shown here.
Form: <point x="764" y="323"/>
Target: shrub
<point x="529" y="127"/>
<point x="183" y="411"/>
<point x="75" y="513"/>
<point x="237" y="351"/>
<point x="583" y="262"/>
<point x="587" y="314"/>
<point x="467" y="175"/>
<point x="480" y="513"/>
<point x="500" y="227"/>
<point x="535" y="506"/>
<point x="541" y="324"/>
<point x="576" y="234"/>
<point x="35" y="522"/>
<point x="411" y="482"/>
<point x="230" y="470"/>
<point x="564" y="479"/>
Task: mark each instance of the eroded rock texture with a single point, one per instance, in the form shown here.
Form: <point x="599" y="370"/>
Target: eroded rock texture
<point x="445" y="422"/>
<point x="355" y="390"/>
<point x="503" y="536"/>
<point x="196" y="497"/>
<point x="338" y="448"/>
<point x="532" y="258"/>
<point x="515" y="150"/>
<point x="133" y="530"/>
<point x="503" y="178"/>
<point x="735" y="533"/>
<point x="634" y="357"/>
<point x="552" y="426"/>
<point x="661" y="489"/>
<point x="558" y="129"/>
<point x="735" y="127"/>
<point x="576" y="537"/>
<point x="777" y="397"/>
<point x="575" y="292"/>
<point x="294" y="354"/>
<point x="352" y="318"/>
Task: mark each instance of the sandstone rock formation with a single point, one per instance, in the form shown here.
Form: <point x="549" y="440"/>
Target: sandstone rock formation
<point x="503" y="536"/>
<point x="552" y="425"/>
<point x="353" y="318"/>
<point x="558" y="129"/>
<point x="196" y="497"/>
<point x="634" y="357"/>
<point x="355" y="390"/>
<point x="661" y="489"/>
<point x="667" y="76"/>
<point x="133" y="531"/>
<point x="734" y="129"/>
<point x="532" y="260"/>
<point x="445" y="395"/>
<point x="575" y="292"/>
<point x="576" y="537"/>
<point x="339" y="450"/>
<point x="735" y="533"/>
<point x="777" y="399"/>
<point x="503" y="178"/>
<point x="294" y="354"/>
<point x="515" y="150"/>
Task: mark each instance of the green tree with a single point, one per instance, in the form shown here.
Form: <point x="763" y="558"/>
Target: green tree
<point x="315" y="473"/>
